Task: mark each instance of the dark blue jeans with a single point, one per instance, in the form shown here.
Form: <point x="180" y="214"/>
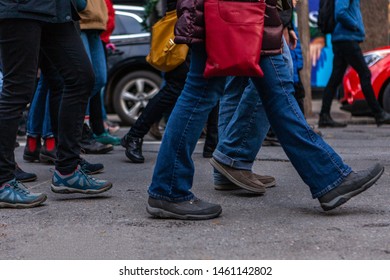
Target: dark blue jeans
<point x="20" y="43"/>
<point x="349" y="53"/>
<point x="38" y="121"/>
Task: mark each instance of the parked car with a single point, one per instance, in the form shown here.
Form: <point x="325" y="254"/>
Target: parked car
<point x="131" y="81"/>
<point x="352" y="98"/>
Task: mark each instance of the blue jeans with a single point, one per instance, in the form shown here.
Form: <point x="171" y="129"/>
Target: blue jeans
<point x="317" y="163"/>
<point x="243" y="125"/>
<point x="39" y="122"/>
<point x="243" y="122"/>
<point x="95" y="50"/>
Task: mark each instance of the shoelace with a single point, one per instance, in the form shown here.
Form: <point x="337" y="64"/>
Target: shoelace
<point x="19" y="187"/>
<point x="90" y="179"/>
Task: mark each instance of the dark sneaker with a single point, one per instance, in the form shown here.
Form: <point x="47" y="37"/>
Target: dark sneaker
<point x="23" y="176"/>
<point x="78" y="182"/>
<point x="242" y="178"/>
<point x="107" y="138"/>
<point x="194" y="209"/>
<point x="48" y="153"/>
<point x="90" y="146"/>
<point x="327" y="121"/>
<point x="382" y="118"/>
<point x="267" y="180"/>
<point x="14" y="194"/>
<point x="133" y="146"/>
<point x="32" y="149"/>
<point x="352" y="185"/>
<point x="91" y="168"/>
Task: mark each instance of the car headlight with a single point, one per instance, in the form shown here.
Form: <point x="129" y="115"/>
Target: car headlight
<point x="372" y="58"/>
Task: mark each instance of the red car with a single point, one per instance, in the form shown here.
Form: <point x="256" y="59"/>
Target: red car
<point x="352" y="98"/>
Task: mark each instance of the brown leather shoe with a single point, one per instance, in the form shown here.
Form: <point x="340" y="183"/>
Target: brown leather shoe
<point x="242" y="178"/>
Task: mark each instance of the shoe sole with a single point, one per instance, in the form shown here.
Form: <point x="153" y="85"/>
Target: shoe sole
<point x="93" y="172"/>
<point x="27" y="179"/>
<point x="21" y="205"/>
<point x="233" y="187"/>
<point x="46" y="159"/>
<point x="220" y="168"/>
<point x="336" y="202"/>
<point x="103" y="151"/>
<point x="67" y="190"/>
<point x="163" y="214"/>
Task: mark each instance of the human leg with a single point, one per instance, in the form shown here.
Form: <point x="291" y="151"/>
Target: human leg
<point x="174" y="170"/>
<point x="162" y="102"/>
<point x="338" y="70"/>
<point x="242" y="128"/>
<point x="62" y="45"/>
<point x="19" y="47"/>
<point x="321" y="168"/>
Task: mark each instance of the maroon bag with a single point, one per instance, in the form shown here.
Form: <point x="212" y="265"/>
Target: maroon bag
<point x="234" y="35"/>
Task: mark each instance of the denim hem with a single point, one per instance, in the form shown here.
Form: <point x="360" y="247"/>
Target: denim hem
<point x="334" y="184"/>
<point x="170" y="199"/>
<point x="222" y="158"/>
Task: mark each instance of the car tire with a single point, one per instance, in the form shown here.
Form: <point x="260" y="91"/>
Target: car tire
<point x="133" y="92"/>
<point x="386" y="98"/>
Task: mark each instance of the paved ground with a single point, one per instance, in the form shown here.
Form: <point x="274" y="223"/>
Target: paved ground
<point x="285" y="223"/>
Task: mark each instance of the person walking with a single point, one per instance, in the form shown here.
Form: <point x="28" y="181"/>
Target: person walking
<point x="346" y="37"/>
<point x="26" y="29"/>
<point x="330" y="180"/>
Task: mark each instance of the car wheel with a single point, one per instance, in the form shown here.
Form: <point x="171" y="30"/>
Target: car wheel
<point x="133" y="92"/>
<point x="386" y="98"/>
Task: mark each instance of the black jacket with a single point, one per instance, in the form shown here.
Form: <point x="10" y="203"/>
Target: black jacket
<point x="54" y="11"/>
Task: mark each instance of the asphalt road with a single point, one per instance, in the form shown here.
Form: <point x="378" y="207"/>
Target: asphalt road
<point x="285" y="223"/>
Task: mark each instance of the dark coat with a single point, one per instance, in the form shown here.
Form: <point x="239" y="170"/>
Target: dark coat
<point x="53" y="11"/>
<point x="189" y="28"/>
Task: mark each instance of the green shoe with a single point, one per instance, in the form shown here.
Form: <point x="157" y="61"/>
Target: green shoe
<point x="107" y="138"/>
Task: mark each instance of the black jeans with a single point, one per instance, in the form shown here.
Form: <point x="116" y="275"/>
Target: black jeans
<point x="349" y="53"/>
<point x="20" y="43"/>
<point x="162" y="102"/>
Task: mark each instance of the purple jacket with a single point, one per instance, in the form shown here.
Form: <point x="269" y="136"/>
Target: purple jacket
<point x="189" y="28"/>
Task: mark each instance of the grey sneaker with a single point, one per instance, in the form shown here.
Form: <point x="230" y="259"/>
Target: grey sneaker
<point x="353" y="184"/>
<point x="194" y="209"/>
<point x="14" y="194"/>
<point x="78" y="182"/>
<point x="242" y="178"/>
<point x="268" y="181"/>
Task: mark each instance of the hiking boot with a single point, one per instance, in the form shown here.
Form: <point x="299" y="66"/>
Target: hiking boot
<point x="14" y="194"/>
<point x="91" y="146"/>
<point x="268" y="182"/>
<point x="107" y="138"/>
<point x="327" y="121"/>
<point x="91" y="168"/>
<point x="353" y="184"/>
<point x="382" y="118"/>
<point x="48" y="153"/>
<point x="78" y="182"/>
<point x="32" y="149"/>
<point x="133" y="146"/>
<point x="194" y="209"/>
<point x="242" y="178"/>
<point x="23" y="176"/>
